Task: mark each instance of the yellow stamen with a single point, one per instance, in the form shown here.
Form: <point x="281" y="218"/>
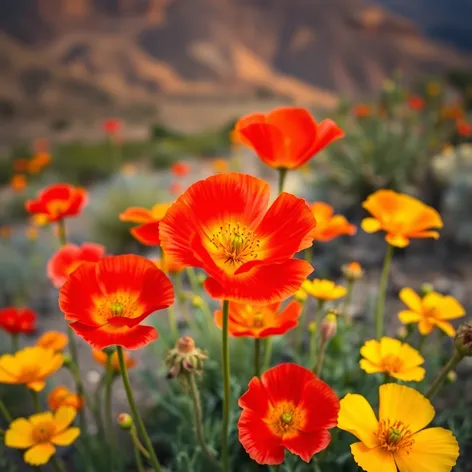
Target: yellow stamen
<point x="395" y="435"/>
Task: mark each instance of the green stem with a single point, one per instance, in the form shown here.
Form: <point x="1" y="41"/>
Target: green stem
<point x="61" y="232"/>
<point x="14" y="343"/>
<point x="192" y="278"/>
<point x="299" y="331"/>
<point x="347" y="303"/>
<point x="319" y="316"/>
<point x="437" y="384"/>
<point x="421" y="343"/>
<point x="312" y="350"/>
<point x="307" y="255"/>
<point x="380" y="310"/>
<point x="282" y="175"/>
<point x="5" y="413"/>
<point x="267" y="353"/>
<point x="137" y="454"/>
<point x="108" y="409"/>
<point x="227" y="388"/>
<point x="257" y="357"/>
<point x="276" y="468"/>
<point x="195" y="396"/>
<point x="134" y="410"/>
<point x="174" y="330"/>
<point x="58" y="464"/>
<point x="316" y="465"/>
<point x="320" y="357"/>
<point x="36" y="403"/>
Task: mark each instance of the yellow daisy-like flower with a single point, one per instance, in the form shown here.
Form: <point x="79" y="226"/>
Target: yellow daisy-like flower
<point x="390" y="356"/>
<point x="323" y="289"/>
<point x="398" y="438"/>
<point x="433" y="310"/>
<point x="41" y="433"/>
<point x="30" y="366"/>
<point x="54" y="340"/>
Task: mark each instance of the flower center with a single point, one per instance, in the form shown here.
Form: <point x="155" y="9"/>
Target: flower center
<point x="28" y="374"/>
<point x="117" y="309"/>
<point x="285" y="419"/>
<point x="391" y="363"/>
<point x="235" y="244"/>
<point x="56" y="207"/>
<point x="118" y="304"/>
<point x="395" y="435"/>
<point x="43" y="432"/>
<point x="258" y="320"/>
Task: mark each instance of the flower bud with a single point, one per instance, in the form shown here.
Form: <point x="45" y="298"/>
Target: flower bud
<point x="426" y="288"/>
<point x="352" y="271"/>
<point x="68" y="361"/>
<point x="125" y="421"/>
<point x="185" y="358"/>
<point x="402" y="332"/>
<point x="463" y="339"/>
<point x="451" y="377"/>
<point x="328" y="327"/>
<point x="312" y="327"/>
<point x="201" y="278"/>
<point x="197" y="302"/>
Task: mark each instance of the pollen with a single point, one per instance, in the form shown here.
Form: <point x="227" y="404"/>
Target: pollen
<point x="258" y="320"/>
<point x="395" y="435"/>
<point x="391" y="364"/>
<point x="285" y="419"/>
<point x="43" y="432"/>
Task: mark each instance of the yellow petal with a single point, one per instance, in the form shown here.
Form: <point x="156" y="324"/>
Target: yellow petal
<point x="40" y="454"/>
<point x="370" y="225"/>
<point x="357" y="417"/>
<point x="450" y="309"/>
<point x="369" y="367"/>
<point x="425" y="327"/>
<point x="19" y="435"/>
<point x="64" y="417"/>
<point x="415" y="374"/>
<point x="9" y="368"/>
<point x="373" y="460"/>
<point x="67" y="437"/>
<point x="41" y="418"/>
<point x="338" y="292"/>
<point x="407" y="316"/>
<point x="397" y="240"/>
<point x="371" y="351"/>
<point x="410" y="356"/>
<point x="434" y="450"/>
<point x="37" y="386"/>
<point x="389" y="347"/>
<point x="446" y="327"/>
<point x="401" y="403"/>
<point x="411" y="299"/>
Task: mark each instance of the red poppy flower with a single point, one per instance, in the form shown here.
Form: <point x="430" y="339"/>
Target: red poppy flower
<point x="69" y="257"/>
<point x="148" y="231"/>
<point x="222" y="225"/>
<point x="463" y="128"/>
<point x="107" y="300"/>
<point x="18" y="320"/>
<point x="416" y="103"/>
<point x="362" y="111"/>
<point x="286" y="137"/>
<point x="287" y="408"/>
<point x="180" y="169"/>
<point x="259" y="321"/>
<point x="329" y="225"/>
<point x="58" y="201"/>
<point x="111" y="126"/>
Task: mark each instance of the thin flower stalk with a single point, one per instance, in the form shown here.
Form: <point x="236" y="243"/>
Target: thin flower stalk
<point x="380" y="309"/>
<point x="300" y="330"/>
<point x="226" y="387"/>
<point x="319" y="316"/>
<point x="14" y="343"/>
<point x="109" y="377"/>
<point x="257" y="357"/>
<point x="440" y="379"/>
<point x="4" y="412"/>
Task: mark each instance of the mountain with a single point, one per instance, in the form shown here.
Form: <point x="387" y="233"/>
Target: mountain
<point x="86" y="54"/>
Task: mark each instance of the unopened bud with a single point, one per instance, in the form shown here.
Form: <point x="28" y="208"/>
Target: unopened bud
<point x="197" y="302"/>
<point x="328" y="327"/>
<point x="463" y="339"/>
<point x="352" y="271"/>
<point x="301" y="295"/>
<point x="402" y="332"/>
<point x="312" y="327"/>
<point x="426" y="288"/>
<point x="185" y="358"/>
<point x="125" y="421"/>
<point x="451" y="376"/>
<point x="185" y="344"/>
<point x="68" y="361"/>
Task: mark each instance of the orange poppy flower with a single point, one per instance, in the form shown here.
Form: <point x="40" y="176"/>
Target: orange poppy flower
<point x="362" y="111"/>
<point x="402" y="217"/>
<point x="101" y="358"/>
<point x="260" y="321"/>
<point x="329" y="225"/>
<point x="416" y="103"/>
<point x="111" y="126"/>
<point x="222" y="225"/>
<point x="463" y="128"/>
<point x="64" y="261"/>
<point x="180" y="169"/>
<point x="287" y="408"/>
<point x="170" y="266"/>
<point x="62" y="396"/>
<point x="38" y="162"/>
<point x="107" y="300"/>
<point x="54" y="340"/>
<point x="148" y="230"/>
<point x="18" y="320"/>
<point x="18" y="183"/>
<point x="58" y="201"/>
<point x="287" y="137"/>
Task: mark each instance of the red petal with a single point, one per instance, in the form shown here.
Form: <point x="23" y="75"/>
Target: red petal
<point x="262" y="284"/>
<point x="35" y="206"/>
<point x="147" y="234"/>
<point x="286" y="382"/>
<point x="258" y="441"/>
<point x="105" y="336"/>
<point x="256" y="398"/>
<point x="60" y="262"/>
<point x="306" y="445"/>
<point x="328" y="132"/>
<point x="77" y="202"/>
<point x="91" y="252"/>
<point x="57" y="192"/>
<point x="286" y="320"/>
<point x="136" y="215"/>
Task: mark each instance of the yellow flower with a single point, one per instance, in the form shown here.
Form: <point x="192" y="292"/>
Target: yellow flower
<point x="352" y="271"/>
<point x="54" y="340"/>
<point x="323" y="289"/>
<point x="300" y="295"/>
<point x="390" y="356"/>
<point x="41" y="433"/>
<point x="402" y="217"/>
<point x="430" y="311"/>
<point x="397" y="438"/>
<point x="62" y="396"/>
<point x="30" y="366"/>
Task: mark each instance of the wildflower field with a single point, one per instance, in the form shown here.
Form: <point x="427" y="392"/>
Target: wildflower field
<point x="246" y="299"/>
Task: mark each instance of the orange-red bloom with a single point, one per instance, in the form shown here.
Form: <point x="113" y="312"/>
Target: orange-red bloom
<point x="287" y="137"/>
<point x="58" y="201"/>
<point x="260" y="321"/>
<point x="54" y="340"/>
<point x="62" y="396"/>
<point x="180" y="169"/>
<point x="107" y="300"/>
<point x="101" y="358"/>
<point x="38" y="162"/>
<point x="18" y="183"/>
<point x="463" y="128"/>
<point x="69" y="257"/>
<point x="362" y="111"/>
<point x="111" y="126"/>
<point x="222" y="225"/>
<point x="287" y="408"/>
<point x="416" y="103"/>
<point x="329" y="225"/>
<point x="18" y="320"/>
<point x="148" y="230"/>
